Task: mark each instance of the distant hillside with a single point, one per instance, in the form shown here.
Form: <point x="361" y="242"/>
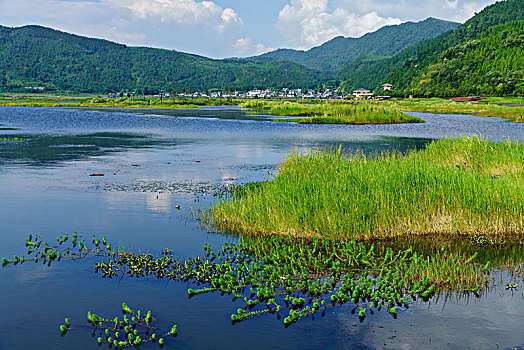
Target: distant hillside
<point x="403" y="68"/>
<point x="39" y="56"/>
<point x="490" y="64"/>
<point x="387" y="41"/>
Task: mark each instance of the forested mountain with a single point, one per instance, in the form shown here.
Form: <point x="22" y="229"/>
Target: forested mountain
<point x="44" y="57"/>
<point x="402" y="69"/>
<point x="387" y="41"/>
<point x="482" y="56"/>
<point x="490" y="64"/>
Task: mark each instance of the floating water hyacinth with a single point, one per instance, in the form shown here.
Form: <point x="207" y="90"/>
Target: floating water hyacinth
<point x="126" y="309"/>
<point x="10" y="139"/>
<point x="292" y="278"/>
<point x="122" y="334"/>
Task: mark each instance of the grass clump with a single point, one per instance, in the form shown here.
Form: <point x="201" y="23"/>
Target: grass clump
<point x="322" y="112"/>
<point x="455" y="186"/>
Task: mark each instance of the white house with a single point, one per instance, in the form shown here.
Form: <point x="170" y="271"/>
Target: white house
<point x="362" y="93"/>
<point x="254" y="93"/>
<point x="387" y="87"/>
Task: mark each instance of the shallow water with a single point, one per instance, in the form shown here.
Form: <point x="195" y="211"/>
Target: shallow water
<point x="154" y="160"/>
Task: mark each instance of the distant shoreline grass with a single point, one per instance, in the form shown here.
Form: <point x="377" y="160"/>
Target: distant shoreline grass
<point x="335" y="112"/>
<point x="484" y="109"/>
<point x="121" y="102"/>
<point x="312" y="111"/>
<point x="464" y="186"/>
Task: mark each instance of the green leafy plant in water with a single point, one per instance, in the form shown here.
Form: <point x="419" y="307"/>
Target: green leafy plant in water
<point x="123" y="333"/>
<point x="47" y="253"/>
<point x="302" y="276"/>
<point x="10" y="139"/>
<point x="65" y="327"/>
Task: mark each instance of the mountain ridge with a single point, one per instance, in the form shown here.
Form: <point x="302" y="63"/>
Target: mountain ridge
<point x="340" y="51"/>
<point x="490" y="64"/>
<point x="45" y="57"/>
<point x="401" y="69"/>
<point x="37" y="56"/>
<point x="34" y="55"/>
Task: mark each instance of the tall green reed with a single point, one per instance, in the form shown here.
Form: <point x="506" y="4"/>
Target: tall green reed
<point x="461" y="186"/>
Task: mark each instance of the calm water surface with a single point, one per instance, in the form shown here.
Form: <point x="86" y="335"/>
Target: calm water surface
<point x="154" y="160"/>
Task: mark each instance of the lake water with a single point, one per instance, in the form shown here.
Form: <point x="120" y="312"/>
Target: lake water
<point x="155" y="160"/>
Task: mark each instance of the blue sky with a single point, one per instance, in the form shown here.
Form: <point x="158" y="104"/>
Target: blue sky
<point x="226" y="28"/>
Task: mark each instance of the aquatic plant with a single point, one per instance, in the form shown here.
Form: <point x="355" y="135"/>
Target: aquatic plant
<point x="299" y="279"/>
<point x="467" y="185"/>
<point x="126" y="332"/>
<point x="287" y="276"/>
<point x="10" y="139"/>
<point x="45" y="253"/>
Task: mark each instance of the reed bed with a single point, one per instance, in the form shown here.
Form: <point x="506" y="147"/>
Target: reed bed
<point x="356" y="112"/>
<point x="455" y="186"/>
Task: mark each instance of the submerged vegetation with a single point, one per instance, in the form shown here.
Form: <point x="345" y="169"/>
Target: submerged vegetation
<point x="340" y="112"/>
<point x="461" y="186"/>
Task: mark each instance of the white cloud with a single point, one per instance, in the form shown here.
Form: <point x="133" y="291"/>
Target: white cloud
<point x="450" y="4"/>
<point x="115" y="15"/>
<point x="468" y="9"/>
<point x="207" y="28"/>
<point x="246" y="47"/>
<point x="188" y="12"/>
<point x="187" y="25"/>
<point x="308" y="23"/>
<point x="454" y="10"/>
<point x="104" y="20"/>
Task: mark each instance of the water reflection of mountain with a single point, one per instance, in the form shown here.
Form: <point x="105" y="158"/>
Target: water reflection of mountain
<point x="46" y="149"/>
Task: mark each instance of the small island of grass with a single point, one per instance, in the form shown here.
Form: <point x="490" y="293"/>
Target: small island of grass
<point x="335" y="112"/>
<point x="455" y="186"/>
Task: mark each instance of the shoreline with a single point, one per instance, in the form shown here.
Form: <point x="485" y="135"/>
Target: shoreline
<point x="309" y="112"/>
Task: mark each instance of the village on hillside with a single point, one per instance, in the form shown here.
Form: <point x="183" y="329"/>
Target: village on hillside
<point x="270" y="93"/>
